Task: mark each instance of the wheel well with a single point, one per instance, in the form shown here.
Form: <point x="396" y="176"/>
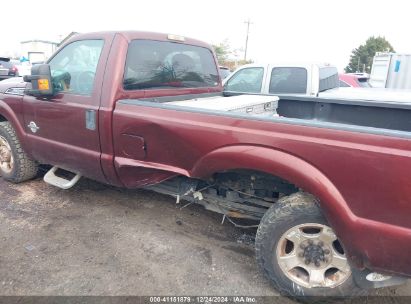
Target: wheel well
<point x="237" y="193"/>
<point x="248" y="193"/>
<point x="255" y="180"/>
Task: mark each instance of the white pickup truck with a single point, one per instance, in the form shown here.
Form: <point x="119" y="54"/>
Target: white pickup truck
<point x="316" y="80"/>
<point x="304" y="79"/>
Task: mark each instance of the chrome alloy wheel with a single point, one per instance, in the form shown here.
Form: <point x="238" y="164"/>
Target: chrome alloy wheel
<point x="6" y="157"/>
<point x="310" y="255"/>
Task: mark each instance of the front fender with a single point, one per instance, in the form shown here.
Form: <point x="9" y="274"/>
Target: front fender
<point x="9" y="114"/>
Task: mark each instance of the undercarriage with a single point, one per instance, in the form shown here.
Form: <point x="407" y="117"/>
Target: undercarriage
<point x="235" y="194"/>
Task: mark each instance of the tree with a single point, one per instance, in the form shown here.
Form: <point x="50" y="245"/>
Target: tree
<point x="362" y="57"/>
<point x="228" y="57"/>
<point x="222" y="51"/>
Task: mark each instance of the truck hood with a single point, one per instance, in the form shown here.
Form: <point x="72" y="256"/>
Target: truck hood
<point x="15" y="82"/>
<point x="369" y="94"/>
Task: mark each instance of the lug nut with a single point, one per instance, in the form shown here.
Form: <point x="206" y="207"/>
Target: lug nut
<point x="301" y="254"/>
<point x="307" y="261"/>
<point x="302" y="246"/>
<point x="310" y="242"/>
<point x="326" y="251"/>
<point x="317" y="264"/>
<point x="320" y="243"/>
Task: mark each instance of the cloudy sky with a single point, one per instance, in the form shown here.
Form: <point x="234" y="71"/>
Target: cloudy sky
<point x="289" y="30"/>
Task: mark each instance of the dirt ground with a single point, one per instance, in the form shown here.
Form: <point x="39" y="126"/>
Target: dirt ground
<point x="100" y="240"/>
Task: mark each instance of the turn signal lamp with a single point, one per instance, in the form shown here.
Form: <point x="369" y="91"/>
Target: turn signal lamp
<point x="43" y="84"/>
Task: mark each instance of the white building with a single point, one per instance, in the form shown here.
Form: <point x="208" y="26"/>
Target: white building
<point x="38" y="50"/>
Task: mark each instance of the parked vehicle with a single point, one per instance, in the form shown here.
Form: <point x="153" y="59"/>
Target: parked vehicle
<point x="303" y="80"/>
<point x="224" y="72"/>
<point x="7" y="68"/>
<point x="300" y="79"/>
<point x="354" y="80"/>
<point x="23" y="68"/>
<point x="391" y="70"/>
<point x="325" y="180"/>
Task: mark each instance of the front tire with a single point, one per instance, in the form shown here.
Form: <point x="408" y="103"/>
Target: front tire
<point x="299" y="252"/>
<point x="15" y="165"/>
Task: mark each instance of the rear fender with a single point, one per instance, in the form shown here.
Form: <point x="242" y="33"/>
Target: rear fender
<point x="290" y="168"/>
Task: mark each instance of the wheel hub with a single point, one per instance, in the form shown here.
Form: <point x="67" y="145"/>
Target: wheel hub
<point x="5" y="154"/>
<point x="308" y="256"/>
<point x="314" y="252"/>
<point x="6" y="157"/>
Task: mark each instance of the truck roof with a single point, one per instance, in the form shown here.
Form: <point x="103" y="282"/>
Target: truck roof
<point x="289" y="64"/>
<point x="132" y="35"/>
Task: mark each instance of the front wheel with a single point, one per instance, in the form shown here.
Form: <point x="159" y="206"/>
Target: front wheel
<point x="15" y="165"/>
<point x="300" y="253"/>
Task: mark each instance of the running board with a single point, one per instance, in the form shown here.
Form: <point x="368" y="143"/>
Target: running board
<point x="60" y="182"/>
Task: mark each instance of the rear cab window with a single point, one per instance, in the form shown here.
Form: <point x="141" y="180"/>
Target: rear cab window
<point x="286" y="80"/>
<point x="161" y="64"/>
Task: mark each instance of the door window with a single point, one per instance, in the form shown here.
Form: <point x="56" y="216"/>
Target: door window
<point x="73" y="69"/>
<point x="248" y="80"/>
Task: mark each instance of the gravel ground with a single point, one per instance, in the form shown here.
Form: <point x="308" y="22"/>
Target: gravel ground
<point x="100" y="240"/>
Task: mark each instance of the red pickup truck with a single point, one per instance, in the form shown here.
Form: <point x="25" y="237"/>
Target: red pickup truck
<point x="327" y="181"/>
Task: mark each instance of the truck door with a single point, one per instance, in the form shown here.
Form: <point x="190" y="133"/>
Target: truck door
<point x="63" y="130"/>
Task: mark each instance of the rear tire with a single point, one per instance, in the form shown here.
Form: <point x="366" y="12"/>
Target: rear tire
<point x="300" y="253"/>
<point x="15" y="165"/>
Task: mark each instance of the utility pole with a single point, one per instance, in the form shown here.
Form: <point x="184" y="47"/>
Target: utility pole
<point x="248" y="22"/>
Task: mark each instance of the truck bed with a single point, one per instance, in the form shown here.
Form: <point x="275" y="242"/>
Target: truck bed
<point x="389" y="118"/>
<point x="354" y="156"/>
<point x="377" y="117"/>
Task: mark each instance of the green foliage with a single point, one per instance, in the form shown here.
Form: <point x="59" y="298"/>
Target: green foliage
<point x="225" y="56"/>
<point x="222" y="51"/>
<point x="362" y="57"/>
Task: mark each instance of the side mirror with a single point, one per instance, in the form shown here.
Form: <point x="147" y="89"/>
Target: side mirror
<point x="40" y="79"/>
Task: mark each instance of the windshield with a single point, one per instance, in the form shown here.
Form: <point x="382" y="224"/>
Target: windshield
<point x="158" y="64"/>
<point x="5" y="64"/>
